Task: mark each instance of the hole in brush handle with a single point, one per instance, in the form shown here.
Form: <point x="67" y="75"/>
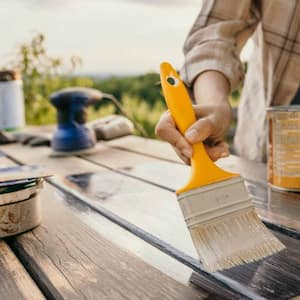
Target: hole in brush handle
<point x="172" y="80"/>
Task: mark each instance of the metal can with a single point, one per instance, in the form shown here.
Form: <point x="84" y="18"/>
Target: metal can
<point x="19" y="210"/>
<point x="284" y="147"/>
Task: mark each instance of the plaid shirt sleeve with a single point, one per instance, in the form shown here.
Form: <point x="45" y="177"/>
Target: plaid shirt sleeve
<point x="216" y="39"/>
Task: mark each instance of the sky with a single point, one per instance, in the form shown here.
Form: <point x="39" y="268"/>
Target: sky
<point x="111" y="36"/>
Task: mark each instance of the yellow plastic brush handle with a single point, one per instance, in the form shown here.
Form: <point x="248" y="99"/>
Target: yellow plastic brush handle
<point x="203" y="170"/>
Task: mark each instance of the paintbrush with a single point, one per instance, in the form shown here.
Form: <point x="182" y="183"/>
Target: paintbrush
<point x="218" y="211"/>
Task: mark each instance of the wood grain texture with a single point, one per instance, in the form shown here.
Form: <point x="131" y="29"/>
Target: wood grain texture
<point x="281" y="208"/>
<point x="62" y="167"/>
<point x="158" y="213"/>
<point x="49" y="287"/>
<point x="116" y="193"/>
<point x="4" y="161"/>
<point x="152" y="148"/>
<point x="15" y="283"/>
<point x="41" y="156"/>
<point x="78" y="263"/>
<point x="111" y="197"/>
<point x="163" y="151"/>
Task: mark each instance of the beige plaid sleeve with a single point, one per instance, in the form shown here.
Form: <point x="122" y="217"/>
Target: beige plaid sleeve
<point x="216" y="39"/>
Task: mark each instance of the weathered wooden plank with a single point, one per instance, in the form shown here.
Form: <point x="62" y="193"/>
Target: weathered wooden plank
<point x="163" y="176"/>
<point x="5" y="162"/>
<point x="280" y="208"/>
<point x="163" y="151"/>
<point x="15" y="283"/>
<point x="156" y="211"/>
<point x="283" y="208"/>
<point x="133" y="164"/>
<point x="62" y="167"/>
<point x="149" y="147"/>
<point x="116" y="192"/>
<point x="123" y="193"/>
<point x="135" y="245"/>
<point x="41" y="155"/>
<point x="75" y="262"/>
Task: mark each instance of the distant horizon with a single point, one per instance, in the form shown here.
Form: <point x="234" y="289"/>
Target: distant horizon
<point x="104" y="75"/>
<point x="118" y="36"/>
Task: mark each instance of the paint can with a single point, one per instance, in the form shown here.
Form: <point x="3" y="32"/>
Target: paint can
<point x="284" y="147"/>
<point x="20" y="210"/>
<point x="12" y="112"/>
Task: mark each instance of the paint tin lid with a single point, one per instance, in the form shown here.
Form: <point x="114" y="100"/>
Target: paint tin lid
<point x="284" y="108"/>
<point x="14" y="196"/>
<point x="22" y="174"/>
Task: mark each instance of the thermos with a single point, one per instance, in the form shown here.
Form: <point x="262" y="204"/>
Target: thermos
<point x="12" y="112"/>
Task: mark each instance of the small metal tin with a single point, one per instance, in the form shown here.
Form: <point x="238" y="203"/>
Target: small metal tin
<point x="284" y="147"/>
<point x="19" y="211"/>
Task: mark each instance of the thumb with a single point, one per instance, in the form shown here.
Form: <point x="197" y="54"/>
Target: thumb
<point x="199" y="131"/>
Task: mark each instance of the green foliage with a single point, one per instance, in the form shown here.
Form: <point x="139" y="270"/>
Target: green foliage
<point x="43" y="74"/>
<point x="145" y="87"/>
<point x="235" y="96"/>
<point x="140" y="97"/>
<point x="139" y="110"/>
<point x="144" y="113"/>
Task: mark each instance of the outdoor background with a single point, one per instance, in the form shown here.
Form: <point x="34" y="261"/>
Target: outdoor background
<point x="115" y="46"/>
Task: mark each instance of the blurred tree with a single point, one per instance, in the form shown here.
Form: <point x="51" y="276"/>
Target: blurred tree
<point x="42" y="74"/>
<point x="145" y="87"/>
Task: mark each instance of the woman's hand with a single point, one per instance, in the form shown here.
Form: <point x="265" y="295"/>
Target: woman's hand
<point x="213" y="113"/>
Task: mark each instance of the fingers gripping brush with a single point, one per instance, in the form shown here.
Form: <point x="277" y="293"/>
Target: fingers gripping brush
<point x="217" y="209"/>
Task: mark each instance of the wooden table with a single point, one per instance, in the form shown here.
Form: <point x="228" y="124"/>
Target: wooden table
<point x="112" y="229"/>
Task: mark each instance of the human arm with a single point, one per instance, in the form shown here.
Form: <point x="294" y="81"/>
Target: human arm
<point x="213" y="111"/>
<point x="212" y="69"/>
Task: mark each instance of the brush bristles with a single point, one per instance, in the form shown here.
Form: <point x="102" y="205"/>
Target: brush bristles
<point x="232" y="240"/>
